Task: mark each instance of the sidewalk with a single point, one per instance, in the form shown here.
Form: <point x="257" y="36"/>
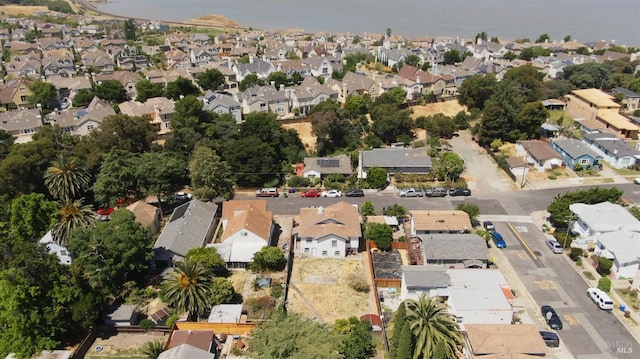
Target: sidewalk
<point x="539" y="219"/>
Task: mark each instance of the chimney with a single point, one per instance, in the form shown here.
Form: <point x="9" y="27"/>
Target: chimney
<point x="418" y="80"/>
<point x="250" y="59"/>
<point x="281" y="87"/>
<point x="320" y="209"/>
<point x="273" y="84"/>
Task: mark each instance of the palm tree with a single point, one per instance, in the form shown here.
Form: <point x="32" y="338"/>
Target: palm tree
<point x="430" y="324"/>
<point x="189" y="288"/>
<point x="65" y="179"/>
<point x="72" y="215"/>
<point x="152" y="349"/>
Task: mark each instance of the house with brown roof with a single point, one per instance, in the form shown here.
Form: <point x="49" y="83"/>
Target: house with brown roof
<point x="15" y="93"/>
<point x="81" y="122"/>
<point x="201" y="339"/>
<point x="247" y="227"/>
<point x="593" y="104"/>
<point x="147" y="215"/>
<point x="539" y="154"/>
<point x="98" y="60"/>
<point x="354" y="84"/>
<point x="332" y="231"/>
<point x="21" y="123"/>
<point x="159" y="109"/>
<point x="128" y="79"/>
<point x="439" y="221"/>
<point x="68" y="87"/>
<point x="26" y="65"/>
<point x="493" y="341"/>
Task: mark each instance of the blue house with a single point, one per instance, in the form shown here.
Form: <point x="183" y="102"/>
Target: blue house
<point x="575" y="152"/>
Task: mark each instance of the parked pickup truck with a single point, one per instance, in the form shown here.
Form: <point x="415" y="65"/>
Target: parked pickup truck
<point x="412" y="192"/>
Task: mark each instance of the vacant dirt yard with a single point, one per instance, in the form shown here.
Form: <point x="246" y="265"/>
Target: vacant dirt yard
<point x="320" y="288"/>
<point x="448" y="108"/>
<point x="24" y="10"/>
<point x="305" y="131"/>
<point x="123" y="345"/>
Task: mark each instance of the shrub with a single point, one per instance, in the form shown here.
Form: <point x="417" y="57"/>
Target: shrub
<point x="576" y="254"/>
<point x="276" y="289"/>
<point x="147" y="324"/>
<point x="171" y="320"/>
<point x="589" y="275"/>
<point x="258" y="307"/>
<point x="563" y="237"/>
<point x="296" y="181"/>
<point x="604" y="284"/>
<point x="358" y="284"/>
<point x="604" y="265"/>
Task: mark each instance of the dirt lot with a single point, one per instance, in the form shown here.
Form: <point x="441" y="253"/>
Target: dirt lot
<point x="123" y="345"/>
<point x="448" y="108"/>
<point x="24" y="10"/>
<point x="320" y="288"/>
<point x="306" y="134"/>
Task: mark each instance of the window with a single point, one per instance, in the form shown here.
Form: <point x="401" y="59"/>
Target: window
<point x="89" y="127"/>
<point x="324" y="253"/>
<point x="309" y="240"/>
<point x="334" y="243"/>
<point x="336" y="253"/>
<point x="306" y="250"/>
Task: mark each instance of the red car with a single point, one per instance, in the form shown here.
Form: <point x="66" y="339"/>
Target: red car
<point x="310" y="193"/>
<point x="104" y="211"/>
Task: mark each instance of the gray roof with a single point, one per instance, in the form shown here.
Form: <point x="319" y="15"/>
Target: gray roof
<point x="454" y="246"/>
<point x="187" y="228"/>
<point x="396" y="158"/>
<point x="611" y="144"/>
<point x="328" y="165"/>
<point x="575" y="148"/>
<point x="425" y="277"/>
<point x="185" y="351"/>
<point x="626" y="92"/>
<point x="120" y="313"/>
<point x="20" y="119"/>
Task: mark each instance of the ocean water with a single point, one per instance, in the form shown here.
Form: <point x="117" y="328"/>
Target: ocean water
<point x="583" y="20"/>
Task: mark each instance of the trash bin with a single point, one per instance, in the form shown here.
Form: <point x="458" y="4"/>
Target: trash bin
<point x="623" y="307"/>
<point x="286" y="195"/>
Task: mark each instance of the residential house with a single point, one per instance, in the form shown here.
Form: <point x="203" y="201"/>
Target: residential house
<point x="553" y="104"/>
<point x="593" y="104"/>
<point x="576" y="153"/>
<point x="191" y="225"/>
<point x="128" y="79"/>
<point x="257" y="67"/>
<point x="27" y="65"/>
<point x="225" y="313"/>
<point x="332" y="231"/>
<point x="124" y="315"/>
<point x="479" y="296"/>
<point x="503" y="340"/>
<point x="316" y="167"/>
<point x="159" y="109"/>
<point x="591" y="220"/>
<point x="630" y="99"/>
<point x="147" y="215"/>
<point x="202" y="55"/>
<point x="247" y="227"/>
<point x="185" y="351"/>
<point x="221" y="104"/>
<point x="201" y="339"/>
<point x="64" y="257"/>
<point x="439" y="221"/>
<point x="429" y="280"/>
<point x="459" y="250"/>
<point x="57" y="64"/>
<point x="613" y="150"/>
<point x="21" y="123"/>
<point x="394" y="160"/>
<point x="266" y="99"/>
<point x="355" y="84"/>
<point x="538" y="153"/>
<point x="177" y="59"/>
<point x="431" y="84"/>
<point x="82" y="121"/>
<point x="623" y="247"/>
<point x="322" y="65"/>
<point x="518" y="167"/>
<point x="308" y="94"/>
<point x="97" y="61"/>
<point x="15" y="93"/>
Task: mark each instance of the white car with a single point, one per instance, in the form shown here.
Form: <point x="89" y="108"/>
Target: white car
<point x="636" y="180"/>
<point x="555" y="246"/>
<point x="602" y="299"/>
<point x="332" y="193"/>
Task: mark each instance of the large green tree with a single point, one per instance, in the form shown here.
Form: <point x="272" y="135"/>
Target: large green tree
<point x="431" y="323"/>
<point x="146" y="89"/>
<point x="133" y="134"/>
<point x="113" y="253"/>
<point x="292" y="336"/>
<point x="449" y="166"/>
<point x="189" y="288"/>
<point x="398" y="320"/>
<point x="476" y="90"/>
<point x="209" y="257"/>
<point x="112" y="91"/>
<point x="211" y="79"/>
<point x="72" y="215"/>
<point x="21" y="171"/>
<point x="161" y="173"/>
<point x="117" y="178"/>
<point x="268" y="259"/>
<point x="66" y="179"/>
<point x="43" y="93"/>
<point x="210" y="176"/>
<point x="31" y="216"/>
<point x="561" y="215"/>
<point x="357" y="340"/>
<point x="181" y="87"/>
<point x="381" y="234"/>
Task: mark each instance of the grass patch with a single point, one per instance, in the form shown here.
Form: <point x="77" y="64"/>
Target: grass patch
<point x="621" y="171"/>
<point x="589" y="275"/>
<point x="238" y="278"/>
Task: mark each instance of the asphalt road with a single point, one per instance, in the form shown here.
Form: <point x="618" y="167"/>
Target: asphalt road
<point x="552" y="280"/>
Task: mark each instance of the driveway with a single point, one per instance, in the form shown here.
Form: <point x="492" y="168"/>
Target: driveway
<point x="481" y="172"/>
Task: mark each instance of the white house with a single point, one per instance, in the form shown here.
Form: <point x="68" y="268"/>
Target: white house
<point x="332" y="231"/>
<point x="429" y="280"/>
<point x="64" y="257"/>
<point x="479" y="296"/>
<point x="539" y="154"/>
<point x="594" y="219"/>
<point x="623" y="247"/>
<point x="247" y="227"/>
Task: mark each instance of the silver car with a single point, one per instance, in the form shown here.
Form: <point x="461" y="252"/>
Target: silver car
<point x="554" y="246"/>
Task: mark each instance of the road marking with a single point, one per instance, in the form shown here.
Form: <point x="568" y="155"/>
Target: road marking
<point x="522" y="255"/>
<point x="571" y="319"/>
<point x="547" y="284"/>
<point x="522" y="229"/>
<point x="526" y="246"/>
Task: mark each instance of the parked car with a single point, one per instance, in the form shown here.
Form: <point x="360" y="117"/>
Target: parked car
<point x="551" y="317"/>
<point x="488" y="225"/>
<point x="267" y="192"/>
<point x="355" y="192"/>
<point x="636" y="180"/>
<point x="498" y="240"/>
<point x="332" y="193"/>
<point x="551" y="339"/>
<point x="459" y="192"/>
<point x="601" y="298"/>
<point x="182" y="196"/>
<point x="312" y="193"/>
<point x="104" y="211"/>
<point x="436" y="192"/>
<point x="555" y="246"/>
<point x="411" y="192"/>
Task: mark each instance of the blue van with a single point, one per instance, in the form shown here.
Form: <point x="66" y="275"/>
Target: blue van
<point x="498" y="240"/>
